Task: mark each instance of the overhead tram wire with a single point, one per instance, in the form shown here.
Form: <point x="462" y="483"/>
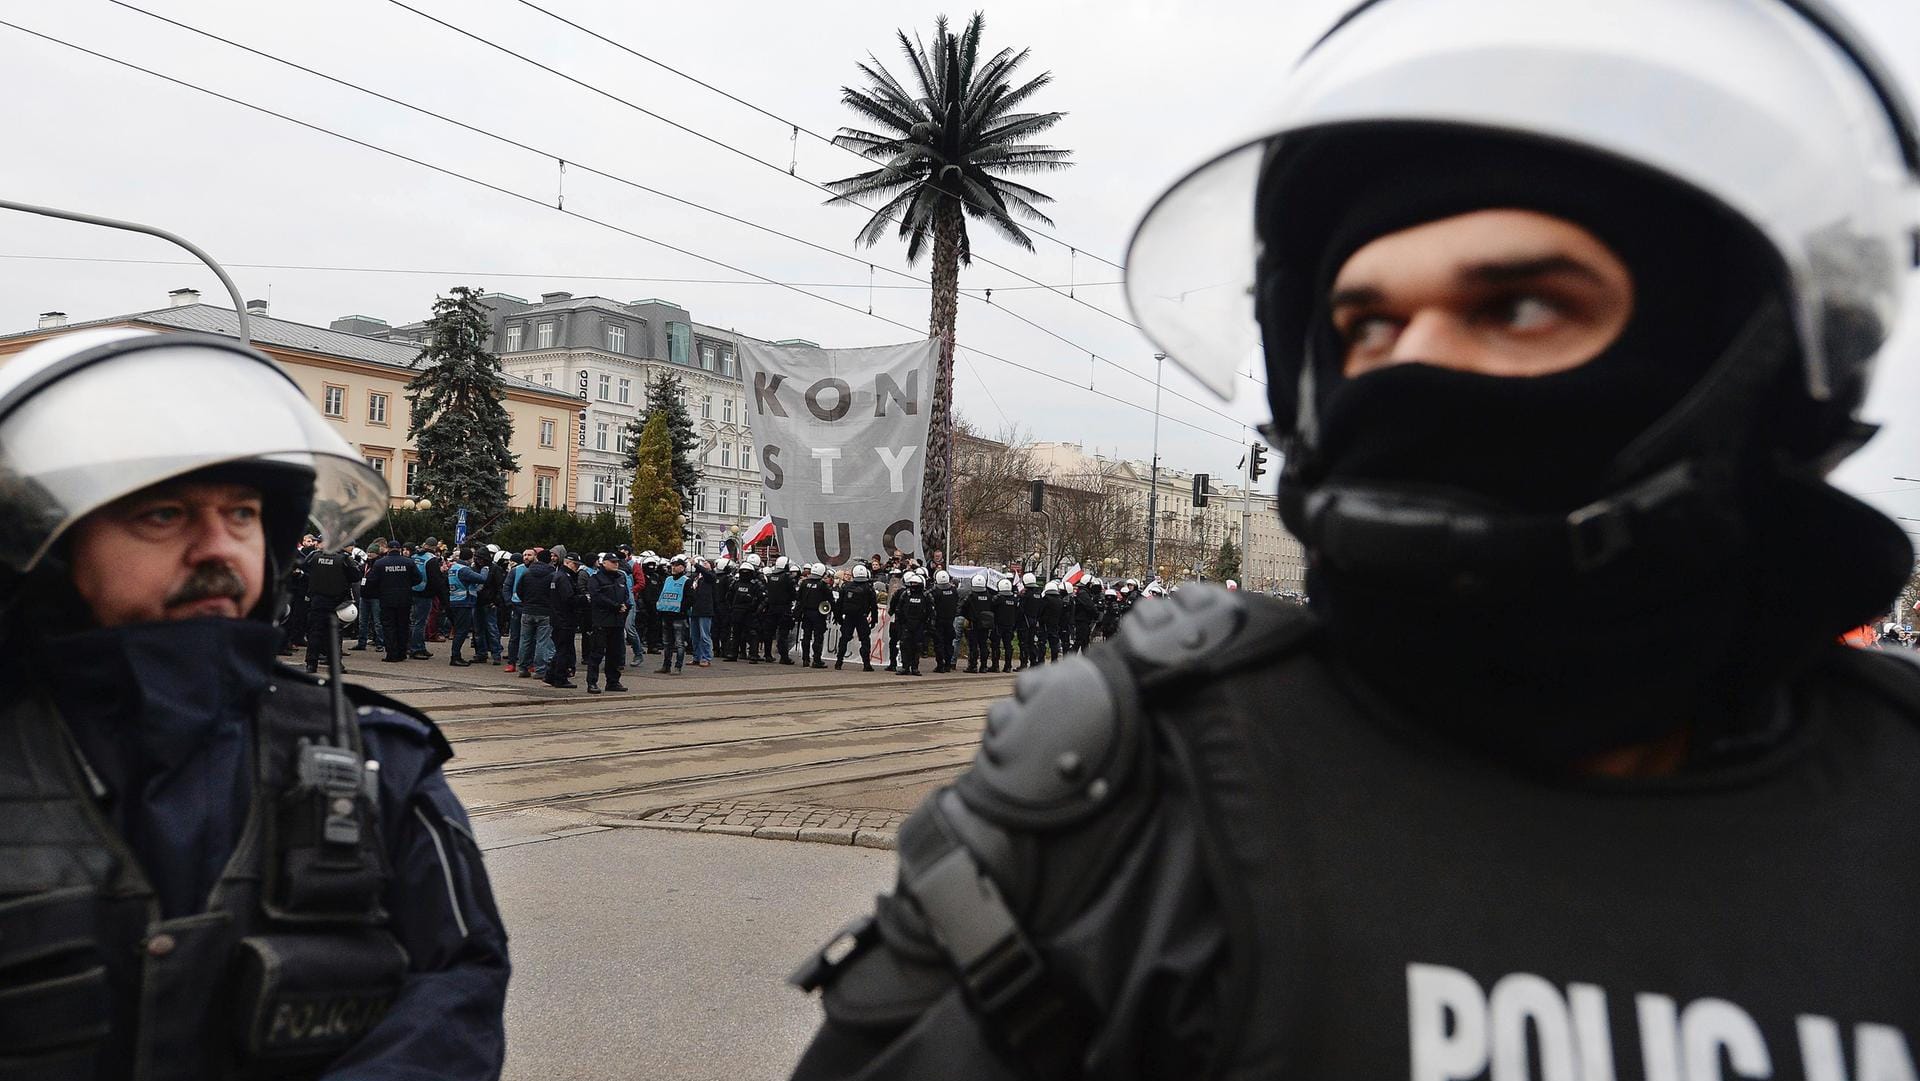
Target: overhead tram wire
<point x="704" y="137"/>
<point x="445" y="171"/>
<point x="769" y="114"/>
<point x="636" y="185"/>
<point x="423" y="272"/>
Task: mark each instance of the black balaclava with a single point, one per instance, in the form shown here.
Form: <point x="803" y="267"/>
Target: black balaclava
<point x="1535" y="660"/>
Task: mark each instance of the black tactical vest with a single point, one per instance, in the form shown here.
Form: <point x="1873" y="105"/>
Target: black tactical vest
<point x="1404" y="909"/>
<point x="287" y="966"/>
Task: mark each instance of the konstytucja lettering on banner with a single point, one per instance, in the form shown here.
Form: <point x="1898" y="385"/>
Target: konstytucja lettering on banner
<point x="843" y="440"/>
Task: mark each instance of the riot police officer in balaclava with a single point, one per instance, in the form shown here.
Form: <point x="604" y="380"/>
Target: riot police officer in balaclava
<point x="202" y="874"/>
<point x="1567" y="310"/>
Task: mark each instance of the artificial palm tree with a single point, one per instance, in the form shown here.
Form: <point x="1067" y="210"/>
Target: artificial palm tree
<point x="947" y="148"/>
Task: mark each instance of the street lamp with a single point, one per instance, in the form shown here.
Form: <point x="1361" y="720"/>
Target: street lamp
<point x="1153" y="470"/>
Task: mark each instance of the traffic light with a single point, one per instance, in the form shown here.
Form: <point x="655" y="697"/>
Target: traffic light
<point x="1199" y="490"/>
<point x="1039" y="496"/>
<point x="1257" y="464"/>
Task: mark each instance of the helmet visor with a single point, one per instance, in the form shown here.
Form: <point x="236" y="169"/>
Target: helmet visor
<point x="127" y="422"/>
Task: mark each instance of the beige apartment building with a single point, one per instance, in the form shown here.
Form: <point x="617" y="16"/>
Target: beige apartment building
<point x="1187" y="537"/>
<point x="359" y="382"/>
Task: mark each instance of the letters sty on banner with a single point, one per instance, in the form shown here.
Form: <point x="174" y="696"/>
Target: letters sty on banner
<point x="843" y="442"/>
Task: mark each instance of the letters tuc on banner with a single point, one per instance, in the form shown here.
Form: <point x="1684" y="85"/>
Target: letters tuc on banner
<point x="843" y="441"/>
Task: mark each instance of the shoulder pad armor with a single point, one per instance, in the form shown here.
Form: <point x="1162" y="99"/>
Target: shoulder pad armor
<point x="1056" y="752"/>
<point x="1893" y="674"/>
<point x="1208" y="630"/>
<point x="372" y="707"/>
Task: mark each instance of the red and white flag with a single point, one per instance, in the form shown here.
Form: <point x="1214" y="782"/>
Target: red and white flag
<point x="762" y="531"/>
<point x="1073" y="575"/>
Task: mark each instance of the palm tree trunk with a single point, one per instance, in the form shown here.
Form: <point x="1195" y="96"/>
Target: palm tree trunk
<point x="936" y="496"/>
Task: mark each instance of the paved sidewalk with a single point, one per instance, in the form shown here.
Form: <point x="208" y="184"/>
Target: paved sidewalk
<point x="784" y="822"/>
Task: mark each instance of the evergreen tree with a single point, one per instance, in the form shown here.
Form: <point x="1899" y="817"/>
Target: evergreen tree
<point x="665" y="395"/>
<point x="458" y="422"/>
<point x="1227" y="563"/>
<point x="654" y="503"/>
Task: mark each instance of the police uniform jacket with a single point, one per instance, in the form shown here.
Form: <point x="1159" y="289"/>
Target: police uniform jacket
<point x="329" y="575"/>
<point x="1204" y="850"/>
<point x="145" y="774"/>
<point x="807" y="600"/>
<point x="858" y="603"/>
<point x="607" y="594"/>
<point x="393" y="577"/>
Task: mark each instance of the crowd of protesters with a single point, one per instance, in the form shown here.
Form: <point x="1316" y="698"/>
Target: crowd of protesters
<point x="545" y="613"/>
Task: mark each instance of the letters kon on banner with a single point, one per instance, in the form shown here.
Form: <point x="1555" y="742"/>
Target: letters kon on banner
<point x="843" y="442"/>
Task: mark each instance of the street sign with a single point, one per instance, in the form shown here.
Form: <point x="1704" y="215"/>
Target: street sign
<point x="460" y="527"/>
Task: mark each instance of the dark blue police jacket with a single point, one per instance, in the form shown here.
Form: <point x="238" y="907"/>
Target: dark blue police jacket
<point x="162" y="714"/>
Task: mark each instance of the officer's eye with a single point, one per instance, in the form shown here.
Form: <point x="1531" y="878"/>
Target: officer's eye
<point x="1524" y="313"/>
<point x="1370" y="333"/>
<point x="161" y="516"/>
<point x="246" y="513"/>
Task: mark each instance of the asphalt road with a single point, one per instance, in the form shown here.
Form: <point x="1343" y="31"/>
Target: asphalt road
<point x="642" y="953"/>
<point x="658" y="953"/>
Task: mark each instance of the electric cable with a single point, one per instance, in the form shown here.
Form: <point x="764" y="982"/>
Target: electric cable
<point x="450" y="172"/>
<point x="628" y="182"/>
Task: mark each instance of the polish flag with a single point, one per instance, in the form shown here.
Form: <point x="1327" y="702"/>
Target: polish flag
<point x="1073" y="575"/>
<point x="762" y="530"/>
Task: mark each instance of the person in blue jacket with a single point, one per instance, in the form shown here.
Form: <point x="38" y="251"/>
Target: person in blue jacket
<point x="203" y="872"/>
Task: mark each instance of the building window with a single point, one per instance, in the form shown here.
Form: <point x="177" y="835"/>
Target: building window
<point x="726" y="455"/>
<point x="514" y="334"/>
<point x="600" y="438"/>
<point x="700" y="499"/>
<point x="377" y="463"/>
<point x="620" y="492"/>
<point x="599" y="489"/>
<point x="723" y="501"/>
<point x="626" y="392"/>
<point x="606" y="386"/>
<point x="699" y="546"/>
<point x="707" y="352"/>
<point x="543" y="336"/>
<point x="620" y="440"/>
<point x="413" y="476"/>
<point x="743" y="501"/>
<point x="763" y="504"/>
<point x="333" y="401"/>
<point x="616" y="338"/>
<point x="546" y="433"/>
<point x="543" y="491"/>
<point x="376" y="409"/>
<point x="746" y="455"/>
<point x="679" y="341"/>
<point x="726" y="362"/>
<point x="726" y="410"/>
<point x="706" y="407"/>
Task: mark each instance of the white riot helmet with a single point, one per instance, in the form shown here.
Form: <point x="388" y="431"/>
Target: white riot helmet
<point x="1004" y="585"/>
<point x="979" y="581"/>
<point x="1232" y="585"/>
<point x="819" y="570"/>
<point x="751" y="560"/>
<point x="157" y="407"/>
<point x="1029" y="580"/>
<point x="941" y="578"/>
<point x="780" y="564"/>
<point x="1787" y="120"/>
<point x="861" y="573"/>
<point x="914" y="578"/>
<point x="724" y="564"/>
<point x="1053" y="586"/>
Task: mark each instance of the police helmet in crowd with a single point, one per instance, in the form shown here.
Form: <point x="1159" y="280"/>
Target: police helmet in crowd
<point x="1004" y="585"/>
<point x="942" y="578"/>
<point x="860" y="572"/>
<point x="979" y="581"/>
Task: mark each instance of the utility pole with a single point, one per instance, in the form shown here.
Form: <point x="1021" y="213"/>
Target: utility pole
<point x="1153" y="470"/>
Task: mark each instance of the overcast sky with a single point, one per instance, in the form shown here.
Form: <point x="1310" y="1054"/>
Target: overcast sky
<point x="1151" y="87"/>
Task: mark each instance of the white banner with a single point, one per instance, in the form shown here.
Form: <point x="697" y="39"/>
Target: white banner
<point x="843" y="442"/>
